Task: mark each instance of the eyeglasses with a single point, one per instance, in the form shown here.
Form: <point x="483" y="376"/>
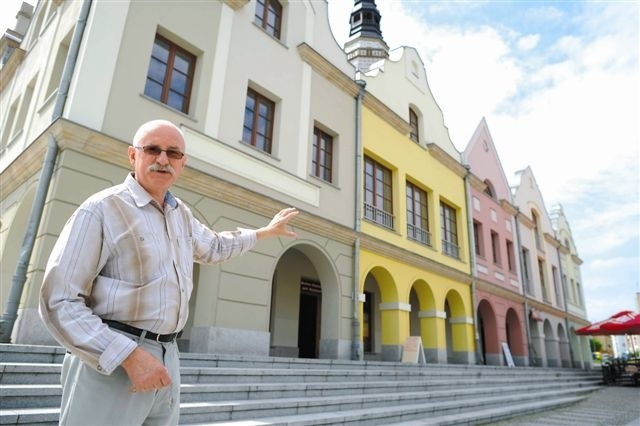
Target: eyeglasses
<point x="155" y="151"/>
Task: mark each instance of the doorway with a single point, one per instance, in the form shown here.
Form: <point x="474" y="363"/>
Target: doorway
<point x="309" y="319"/>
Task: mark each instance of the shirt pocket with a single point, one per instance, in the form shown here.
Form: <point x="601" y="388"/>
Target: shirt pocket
<point x="142" y="258"/>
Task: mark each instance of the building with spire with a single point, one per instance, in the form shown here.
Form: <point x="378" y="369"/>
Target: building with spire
<point x="365" y="46"/>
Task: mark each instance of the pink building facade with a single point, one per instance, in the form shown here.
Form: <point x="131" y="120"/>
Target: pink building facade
<point x="499" y="300"/>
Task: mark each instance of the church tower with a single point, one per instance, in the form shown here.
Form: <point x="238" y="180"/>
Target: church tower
<point x="365" y="45"/>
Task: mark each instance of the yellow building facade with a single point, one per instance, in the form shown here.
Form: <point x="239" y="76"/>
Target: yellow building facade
<point x="411" y="284"/>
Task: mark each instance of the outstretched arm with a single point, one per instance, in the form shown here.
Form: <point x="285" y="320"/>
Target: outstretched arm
<point x="278" y="225"/>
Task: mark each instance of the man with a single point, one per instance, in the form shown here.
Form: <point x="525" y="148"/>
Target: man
<point x="117" y="285"/>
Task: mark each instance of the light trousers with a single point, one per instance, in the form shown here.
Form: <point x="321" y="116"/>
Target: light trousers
<point x="90" y="398"/>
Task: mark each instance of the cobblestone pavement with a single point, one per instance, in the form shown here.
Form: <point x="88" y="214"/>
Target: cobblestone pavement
<point x="609" y="406"/>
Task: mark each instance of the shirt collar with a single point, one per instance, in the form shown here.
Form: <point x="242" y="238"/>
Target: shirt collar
<point x="142" y="197"/>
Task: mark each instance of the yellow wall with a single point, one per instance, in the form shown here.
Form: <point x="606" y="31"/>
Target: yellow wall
<point x="395" y="280"/>
<point x="409" y="161"/>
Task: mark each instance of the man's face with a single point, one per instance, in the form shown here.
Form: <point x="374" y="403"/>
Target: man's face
<point x="156" y="173"/>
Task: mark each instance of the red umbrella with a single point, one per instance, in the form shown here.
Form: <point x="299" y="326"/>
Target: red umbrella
<point x="624" y="322"/>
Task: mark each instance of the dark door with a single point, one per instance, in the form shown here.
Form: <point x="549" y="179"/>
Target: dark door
<point x="309" y="319"/>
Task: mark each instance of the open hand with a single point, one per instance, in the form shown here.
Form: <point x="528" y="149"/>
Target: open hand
<point x="278" y="225"/>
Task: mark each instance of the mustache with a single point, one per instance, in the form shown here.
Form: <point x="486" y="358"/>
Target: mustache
<point x="160" y="168"/>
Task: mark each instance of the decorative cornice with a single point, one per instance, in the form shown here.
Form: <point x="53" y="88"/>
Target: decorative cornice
<point x="57" y="2"/>
<point x="94" y="144"/>
<point x="476" y="183"/>
<point x="10" y="67"/>
<point x="399" y="254"/>
<point x="235" y="4"/>
<point x="552" y="240"/>
<point x="525" y="220"/>
<point x="508" y="207"/>
<point x="576" y="259"/>
<point x="499" y="291"/>
<point x="386" y="113"/>
<point x="447" y="160"/>
<point x="565" y="250"/>
<point x="544" y="307"/>
<point x="326" y="69"/>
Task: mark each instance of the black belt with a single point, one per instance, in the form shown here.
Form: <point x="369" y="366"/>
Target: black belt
<point x="164" y="338"/>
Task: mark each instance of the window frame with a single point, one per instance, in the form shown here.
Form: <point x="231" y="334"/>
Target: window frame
<point x="173" y="51"/>
<point x="495" y="248"/>
<point x="320" y="162"/>
<point x="417" y="233"/>
<point x="263" y="21"/>
<point x="449" y="229"/>
<point x="382" y="215"/>
<point x="414" y="134"/>
<point x="259" y="99"/>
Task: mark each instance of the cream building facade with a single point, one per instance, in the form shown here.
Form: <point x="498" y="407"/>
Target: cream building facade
<point x="265" y="98"/>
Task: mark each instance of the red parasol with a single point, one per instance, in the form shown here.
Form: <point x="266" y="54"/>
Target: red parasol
<point x="624" y="322"/>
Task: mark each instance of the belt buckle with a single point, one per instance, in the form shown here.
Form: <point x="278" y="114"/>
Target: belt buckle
<point x="158" y="338"/>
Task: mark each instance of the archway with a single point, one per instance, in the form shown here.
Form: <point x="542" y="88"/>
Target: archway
<point x="488" y="330"/>
<point x="423" y="319"/>
<point x="458" y="330"/>
<point x="515" y="337"/>
<point x="380" y="316"/>
<point x="305" y="306"/>
<point x="563" y="343"/>
<point x="550" y="345"/>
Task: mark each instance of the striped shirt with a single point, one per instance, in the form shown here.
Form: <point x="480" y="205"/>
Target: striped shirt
<point x="123" y="257"/>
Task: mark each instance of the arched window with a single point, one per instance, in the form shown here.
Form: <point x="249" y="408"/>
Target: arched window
<point x="413" y="121"/>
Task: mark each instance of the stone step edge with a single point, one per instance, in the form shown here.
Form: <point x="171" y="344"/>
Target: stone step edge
<point x="345" y="417"/>
<point x="33" y="415"/>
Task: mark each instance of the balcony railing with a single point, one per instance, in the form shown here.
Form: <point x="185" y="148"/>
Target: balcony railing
<point x="418" y="234"/>
<point x="450" y="249"/>
<point x="378" y="216"/>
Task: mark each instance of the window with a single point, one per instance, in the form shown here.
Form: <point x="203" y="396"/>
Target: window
<point x="417" y="215"/>
<point x="556" y="287"/>
<point x="526" y="271"/>
<point x="449" y="229"/>
<point x="322" y="155"/>
<point x="489" y="190"/>
<point x="543" y="281"/>
<point x="170" y="74"/>
<point x="477" y="238"/>
<point x="413" y="121"/>
<point x="511" y="262"/>
<point x="259" y="113"/>
<point x="378" y="197"/>
<point x="269" y="16"/>
<point x="58" y="66"/>
<point x="495" y="247"/>
<point x="536" y="230"/>
<point x="8" y="125"/>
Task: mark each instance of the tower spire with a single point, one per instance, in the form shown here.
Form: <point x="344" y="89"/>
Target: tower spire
<point x="365" y="45"/>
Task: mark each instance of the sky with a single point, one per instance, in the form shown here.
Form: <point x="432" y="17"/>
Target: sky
<point x="559" y="85"/>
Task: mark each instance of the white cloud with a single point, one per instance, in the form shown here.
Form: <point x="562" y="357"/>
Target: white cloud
<point x="569" y="109"/>
<point x="528" y="42"/>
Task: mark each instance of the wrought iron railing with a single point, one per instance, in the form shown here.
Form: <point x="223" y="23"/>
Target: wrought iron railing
<point x="418" y="234"/>
<point x="450" y="249"/>
<point x="378" y="216"/>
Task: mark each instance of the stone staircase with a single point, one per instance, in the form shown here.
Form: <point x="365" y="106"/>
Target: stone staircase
<point x="244" y="390"/>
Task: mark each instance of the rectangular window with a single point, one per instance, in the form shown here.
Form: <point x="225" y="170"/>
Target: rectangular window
<point x="417" y="215"/>
<point x="543" y="281"/>
<point x="58" y="66"/>
<point x="449" y="228"/>
<point x="378" y="197"/>
<point x="556" y="287"/>
<point x="413" y="122"/>
<point x="495" y="247"/>
<point x="477" y="238"/>
<point x="259" y="113"/>
<point x="322" y="155"/>
<point x="269" y="16"/>
<point x="526" y="271"/>
<point x="170" y="74"/>
<point x="511" y="262"/>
